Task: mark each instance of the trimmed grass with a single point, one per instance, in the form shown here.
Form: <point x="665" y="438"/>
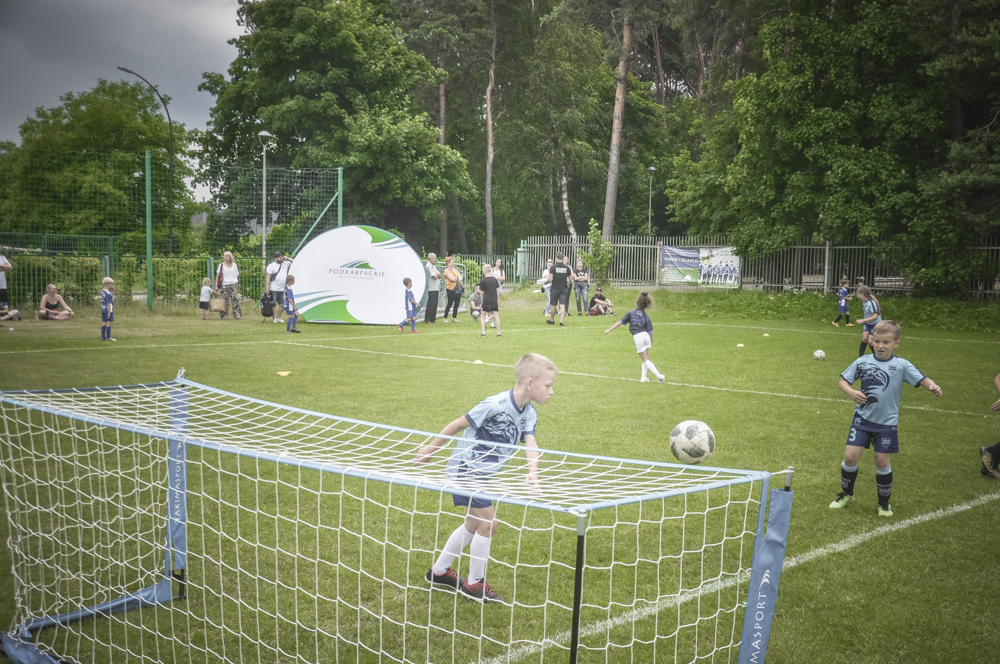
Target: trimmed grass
<point x="920" y="594"/>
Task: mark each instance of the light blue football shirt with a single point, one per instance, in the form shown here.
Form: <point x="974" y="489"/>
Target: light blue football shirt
<point x="870" y="307"/>
<point x="496" y="426"/>
<point x="882" y="382"/>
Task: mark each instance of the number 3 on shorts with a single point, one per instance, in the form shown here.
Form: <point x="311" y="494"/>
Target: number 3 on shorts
<point x="854" y="434"/>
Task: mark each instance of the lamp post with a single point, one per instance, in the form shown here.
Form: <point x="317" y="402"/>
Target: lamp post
<point x="262" y="136"/>
<point x="170" y="189"/>
<point x="649" y="222"/>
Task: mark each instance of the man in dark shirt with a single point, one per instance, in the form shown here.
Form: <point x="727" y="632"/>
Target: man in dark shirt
<point x="559" y="275"/>
<point x="601" y="303"/>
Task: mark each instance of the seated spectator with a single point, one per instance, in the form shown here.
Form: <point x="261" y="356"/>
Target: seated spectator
<point x="53" y="306"/>
<point x="9" y="314"/>
<point x="601" y="304"/>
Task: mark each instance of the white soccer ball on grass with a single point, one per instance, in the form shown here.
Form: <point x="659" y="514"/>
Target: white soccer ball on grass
<point x="819" y="355"/>
<point x="692" y="441"/>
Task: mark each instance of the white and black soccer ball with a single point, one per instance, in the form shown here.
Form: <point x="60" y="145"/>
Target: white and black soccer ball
<point x="819" y="355"/>
<point x="692" y="441"/>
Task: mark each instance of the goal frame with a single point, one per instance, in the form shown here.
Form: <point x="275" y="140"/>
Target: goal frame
<point x="17" y="641"/>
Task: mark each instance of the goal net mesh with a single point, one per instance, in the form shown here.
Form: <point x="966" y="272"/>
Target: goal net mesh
<point x="252" y="531"/>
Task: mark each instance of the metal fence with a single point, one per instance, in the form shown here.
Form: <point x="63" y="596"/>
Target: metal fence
<point x="806" y="265"/>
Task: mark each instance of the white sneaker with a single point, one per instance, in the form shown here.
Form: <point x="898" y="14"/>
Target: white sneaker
<point x="112" y="339"/>
<point x="644" y="380"/>
<point x="446" y="320"/>
<point x="278" y="320"/>
<point x="660" y="378"/>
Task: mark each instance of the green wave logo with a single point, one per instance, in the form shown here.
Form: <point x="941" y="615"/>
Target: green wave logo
<point x="358" y="265"/>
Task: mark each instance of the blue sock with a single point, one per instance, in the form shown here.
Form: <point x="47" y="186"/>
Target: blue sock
<point x="288" y="324"/>
<point x="413" y="324"/>
<point x="109" y="331"/>
<point x="104" y="333"/>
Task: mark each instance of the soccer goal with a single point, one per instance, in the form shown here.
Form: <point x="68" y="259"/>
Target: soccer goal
<point x="175" y="522"/>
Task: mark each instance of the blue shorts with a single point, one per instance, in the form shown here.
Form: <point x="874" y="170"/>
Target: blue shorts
<point x="843" y="310"/>
<point x="106" y="317"/>
<point x="474" y="482"/>
<point x="886" y="442"/>
<point x="869" y="328"/>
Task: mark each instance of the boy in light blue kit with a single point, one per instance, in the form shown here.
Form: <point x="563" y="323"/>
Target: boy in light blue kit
<point x="490" y="433"/>
<point x="843" y="310"/>
<point x="877" y="412"/>
<point x="290" y="307"/>
<point x="872" y="316"/>
<point x="411" y="308"/>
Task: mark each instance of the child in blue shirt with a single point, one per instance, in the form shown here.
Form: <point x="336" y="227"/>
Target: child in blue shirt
<point x="107" y="308"/>
<point x="872" y="313"/>
<point x="642" y="334"/>
<point x="290" y="307"/>
<point x="877" y="412"/>
<point x="843" y="310"/>
<point x="411" y="308"/>
<point x="490" y="434"/>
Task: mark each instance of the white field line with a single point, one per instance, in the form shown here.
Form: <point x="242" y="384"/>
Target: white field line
<point x="621" y="378"/>
<point x="563" y="638"/>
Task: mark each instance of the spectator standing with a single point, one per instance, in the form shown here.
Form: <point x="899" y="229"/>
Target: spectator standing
<point x="547" y="286"/>
<point x="5" y="267"/>
<point x="559" y="276"/>
<point x="53" y="306"/>
<point x="433" y="288"/>
<point x="581" y="286"/>
<point x="274" y="281"/>
<point x="230" y="280"/>
<point x="489" y="287"/>
<point x="500" y="275"/>
<point x="453" y="286"/>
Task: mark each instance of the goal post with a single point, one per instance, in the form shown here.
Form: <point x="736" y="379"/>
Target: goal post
<point x="245" y="529"/>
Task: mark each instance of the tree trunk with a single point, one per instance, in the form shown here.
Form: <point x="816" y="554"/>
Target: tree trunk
<point x="565" y="203"/>
<point x="659" y="66"/>
<point x="489" y="134"/>
<point x="701" y="65"/>
<point x="614" y="159"/>
<point x="552" y="207"/>
<point x="442" y="125"/>
<point x="463" y="244"/>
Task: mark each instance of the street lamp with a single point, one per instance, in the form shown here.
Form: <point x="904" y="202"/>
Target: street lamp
<point x="170" y="189"/>
<point x="262" y="137"/>
<point x="649" y="223"/>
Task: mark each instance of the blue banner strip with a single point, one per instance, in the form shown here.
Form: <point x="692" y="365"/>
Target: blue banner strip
<point x="765" y="574"/>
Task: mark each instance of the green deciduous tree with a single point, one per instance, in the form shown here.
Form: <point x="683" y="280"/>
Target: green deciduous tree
<point x="80" y="168"/>
<point x="331" y="82"/>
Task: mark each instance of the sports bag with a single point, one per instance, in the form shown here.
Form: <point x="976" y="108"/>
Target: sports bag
<point x="267" y="305"/>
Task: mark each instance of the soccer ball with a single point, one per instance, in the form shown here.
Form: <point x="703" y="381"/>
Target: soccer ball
<point x="819" y="355"/>
<point x="692" y="441"/>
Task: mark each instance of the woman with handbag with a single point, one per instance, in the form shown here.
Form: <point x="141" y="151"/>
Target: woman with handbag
<point x="453" y="284"/>
<point x="226" y="281"/>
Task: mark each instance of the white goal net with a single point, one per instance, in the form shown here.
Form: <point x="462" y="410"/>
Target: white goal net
<point x="175" y="522"/>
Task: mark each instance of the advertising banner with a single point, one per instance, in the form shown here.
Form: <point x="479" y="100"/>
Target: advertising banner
<point x="354" y="274"/>
<point x="714" y="267"/>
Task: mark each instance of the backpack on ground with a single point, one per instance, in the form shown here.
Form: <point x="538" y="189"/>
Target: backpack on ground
<point x="267" y="306"/>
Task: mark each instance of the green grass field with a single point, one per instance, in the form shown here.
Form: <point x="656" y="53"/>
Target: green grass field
<point x="857" y="588"/>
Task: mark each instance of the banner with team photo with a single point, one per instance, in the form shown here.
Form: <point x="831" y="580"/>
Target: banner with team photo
<point x="354" y="274"/>
<point x="713" y="267"/>
<point x="719" y="268"/>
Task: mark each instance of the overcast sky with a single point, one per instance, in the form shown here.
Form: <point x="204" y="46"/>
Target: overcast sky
<point x="51" y="47"/>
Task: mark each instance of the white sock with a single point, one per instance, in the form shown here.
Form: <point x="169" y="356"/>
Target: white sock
<point x="649" y="365"/>
<point x="643" y="370"/>
<point x="479" y="553"/>
<point x="458" y="540"/>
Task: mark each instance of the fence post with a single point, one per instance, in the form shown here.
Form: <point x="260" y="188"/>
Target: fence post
<point x="211" y="269"/>
<point x="826" y="269"/>
<point x="340" y="196"/>
<point x="149" y="229"/>
<point x="106" y="265"/>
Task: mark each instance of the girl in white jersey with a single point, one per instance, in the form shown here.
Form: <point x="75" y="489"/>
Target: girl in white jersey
<point x="642" y="334"/>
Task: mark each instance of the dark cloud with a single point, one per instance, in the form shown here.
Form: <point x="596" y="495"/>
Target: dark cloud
<point x="51" y="47"/>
